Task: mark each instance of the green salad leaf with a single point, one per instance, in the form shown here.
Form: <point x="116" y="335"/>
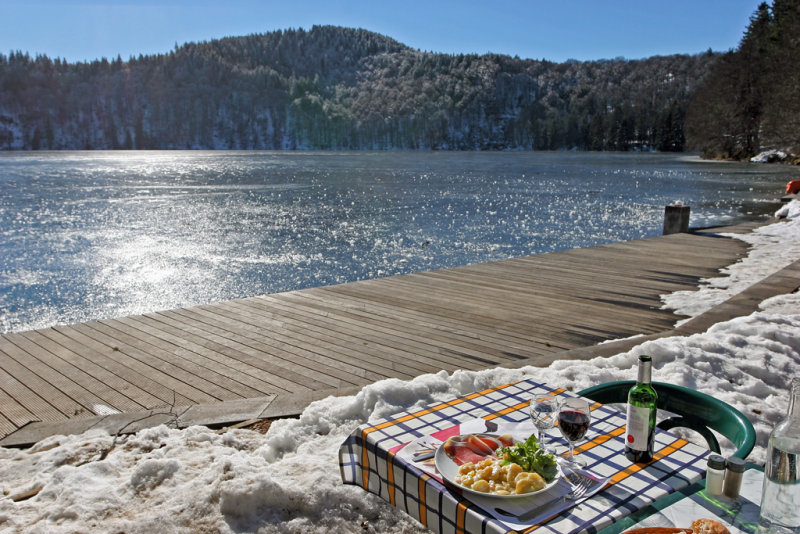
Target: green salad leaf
<point x="531" y="457"/>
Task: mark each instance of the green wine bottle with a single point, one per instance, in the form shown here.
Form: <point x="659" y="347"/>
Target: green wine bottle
<point x="640" y="426"/>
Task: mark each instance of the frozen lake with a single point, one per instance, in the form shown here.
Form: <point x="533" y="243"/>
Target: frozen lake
<point x="89" y="235"/>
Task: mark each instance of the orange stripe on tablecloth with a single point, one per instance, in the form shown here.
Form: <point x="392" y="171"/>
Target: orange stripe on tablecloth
<point x="625" y="473"/>
<point x="461" y="518"/>
<point x="508" y="410"/>
<point x="519" y="406"/>
<point x="390" y="476"/>
<point x="423" y="507"/>
<point x="599" y="440"/>
<point x="658" y="455"/>
<point x="436" y="408"/>
<point x="364" y="462"/>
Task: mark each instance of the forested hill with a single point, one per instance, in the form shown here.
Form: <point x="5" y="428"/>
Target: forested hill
<point x="341" y="88"/>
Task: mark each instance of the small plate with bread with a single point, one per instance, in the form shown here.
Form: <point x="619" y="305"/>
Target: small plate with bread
<point x="699" y="526"/>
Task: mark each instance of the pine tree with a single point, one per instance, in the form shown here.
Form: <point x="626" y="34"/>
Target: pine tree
<point x="750" y="99"/>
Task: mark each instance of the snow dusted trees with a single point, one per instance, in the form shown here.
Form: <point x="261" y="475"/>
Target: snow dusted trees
<point x="340" y="88"/>
<point x="750" y="100"/>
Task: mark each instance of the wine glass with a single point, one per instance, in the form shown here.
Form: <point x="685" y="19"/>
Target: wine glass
<point x="573" y="421"/>
<point x="544" y="411"/>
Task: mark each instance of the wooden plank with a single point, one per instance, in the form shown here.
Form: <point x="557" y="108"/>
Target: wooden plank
<point x="45" y="399"/>
<point x="544" y="280"/>
<point x="124" y="366"/>
<point x="145" y="366"/>
<point x="14" y="396"/>
<point x="250" y="327"/>
<point x="6" y="426"/>
<point x="389" y="339"/>
<point x="251" y="353"/>
<point x="517" y="334"/>
<point x="196" y="343"/>
<point x="354" y="345"/>
<point x="361" y="372"/>
<point x="345" y="336"/>
<point x="469" y="349"/>
<point x="48" y="367"/>
<point x="195" y="368"/>
<point x="476" y="310"/>
<point x="600" y="268"/>
<point x="429" y="323"/>
<point x="511" y="303"/>
<point x="553" y="277"/>
<point x="106" y="385"/>
<point x="179" y="379"/>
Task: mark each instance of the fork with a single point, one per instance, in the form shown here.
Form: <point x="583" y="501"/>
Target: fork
<point x="579" y="485"/>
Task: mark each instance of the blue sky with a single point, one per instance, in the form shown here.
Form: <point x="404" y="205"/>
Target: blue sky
<point x="556" y="30"/>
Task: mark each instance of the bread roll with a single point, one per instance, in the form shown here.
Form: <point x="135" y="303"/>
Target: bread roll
<point x="708" y="526"/>
<point x="699" y="526"/>
<point x="659" y="530"/>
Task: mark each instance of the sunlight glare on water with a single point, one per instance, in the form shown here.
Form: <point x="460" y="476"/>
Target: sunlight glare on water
<point x="89" y="235"/>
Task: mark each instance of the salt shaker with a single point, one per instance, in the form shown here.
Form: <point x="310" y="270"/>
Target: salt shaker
<point x="715" y="474"/>
<point x="733" y="477"/>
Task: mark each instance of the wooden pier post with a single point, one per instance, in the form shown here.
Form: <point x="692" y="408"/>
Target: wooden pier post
<point x="676" y="219"/>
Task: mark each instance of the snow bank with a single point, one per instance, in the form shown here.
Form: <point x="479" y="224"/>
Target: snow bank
<point x="196" y="480"/>
<point x="771" y="156"/>
<point x="774" y="246"/>
<point x="790" y="210"/>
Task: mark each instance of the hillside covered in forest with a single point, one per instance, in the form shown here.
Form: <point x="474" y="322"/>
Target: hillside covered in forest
<point x="341" y="88"/>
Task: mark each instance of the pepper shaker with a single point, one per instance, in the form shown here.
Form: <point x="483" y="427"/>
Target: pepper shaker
<point x="733" y="477"/>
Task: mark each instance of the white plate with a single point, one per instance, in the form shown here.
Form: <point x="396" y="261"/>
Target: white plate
<point x="449" y="469"/>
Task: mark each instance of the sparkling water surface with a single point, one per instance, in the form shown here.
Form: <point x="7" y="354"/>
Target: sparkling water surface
<point x="91" y="235"/>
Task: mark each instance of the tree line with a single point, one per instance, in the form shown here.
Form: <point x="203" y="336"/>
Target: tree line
<point x="342" y="88"/>
<point x="751" y="99"/>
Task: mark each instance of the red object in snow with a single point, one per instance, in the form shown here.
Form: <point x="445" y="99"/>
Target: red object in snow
<point x="793" y="187"/>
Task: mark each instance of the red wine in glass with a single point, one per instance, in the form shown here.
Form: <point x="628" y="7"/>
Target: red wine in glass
<point x="573" y="421"/>
<point x="573" y="424"/>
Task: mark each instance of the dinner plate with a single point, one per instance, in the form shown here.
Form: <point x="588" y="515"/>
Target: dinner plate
<point x="449" y="469"/>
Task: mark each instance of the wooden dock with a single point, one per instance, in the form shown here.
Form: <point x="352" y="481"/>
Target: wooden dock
<point x="308" y="343"/>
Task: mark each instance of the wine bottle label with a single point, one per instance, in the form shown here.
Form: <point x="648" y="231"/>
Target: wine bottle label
<point x="637" y="427"/>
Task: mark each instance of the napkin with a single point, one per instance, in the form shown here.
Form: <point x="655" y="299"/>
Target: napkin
<point x="544" y="505"/>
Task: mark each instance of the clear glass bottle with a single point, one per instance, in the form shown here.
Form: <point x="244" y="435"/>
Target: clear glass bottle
<point x="780" y="498"/>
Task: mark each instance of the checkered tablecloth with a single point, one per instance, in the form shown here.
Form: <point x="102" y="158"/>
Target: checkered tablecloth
<point x="369" y="458"/>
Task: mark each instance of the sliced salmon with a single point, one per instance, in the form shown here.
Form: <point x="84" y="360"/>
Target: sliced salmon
<point x="474" y="447"/>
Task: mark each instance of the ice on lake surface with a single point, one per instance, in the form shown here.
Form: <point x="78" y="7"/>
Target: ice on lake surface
<point x="88" y="235"/>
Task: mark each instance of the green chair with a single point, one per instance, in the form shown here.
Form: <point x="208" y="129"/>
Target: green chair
<point x="694" y="410"/>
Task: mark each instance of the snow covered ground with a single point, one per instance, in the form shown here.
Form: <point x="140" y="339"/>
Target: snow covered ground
<point x="195" y="480"/>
